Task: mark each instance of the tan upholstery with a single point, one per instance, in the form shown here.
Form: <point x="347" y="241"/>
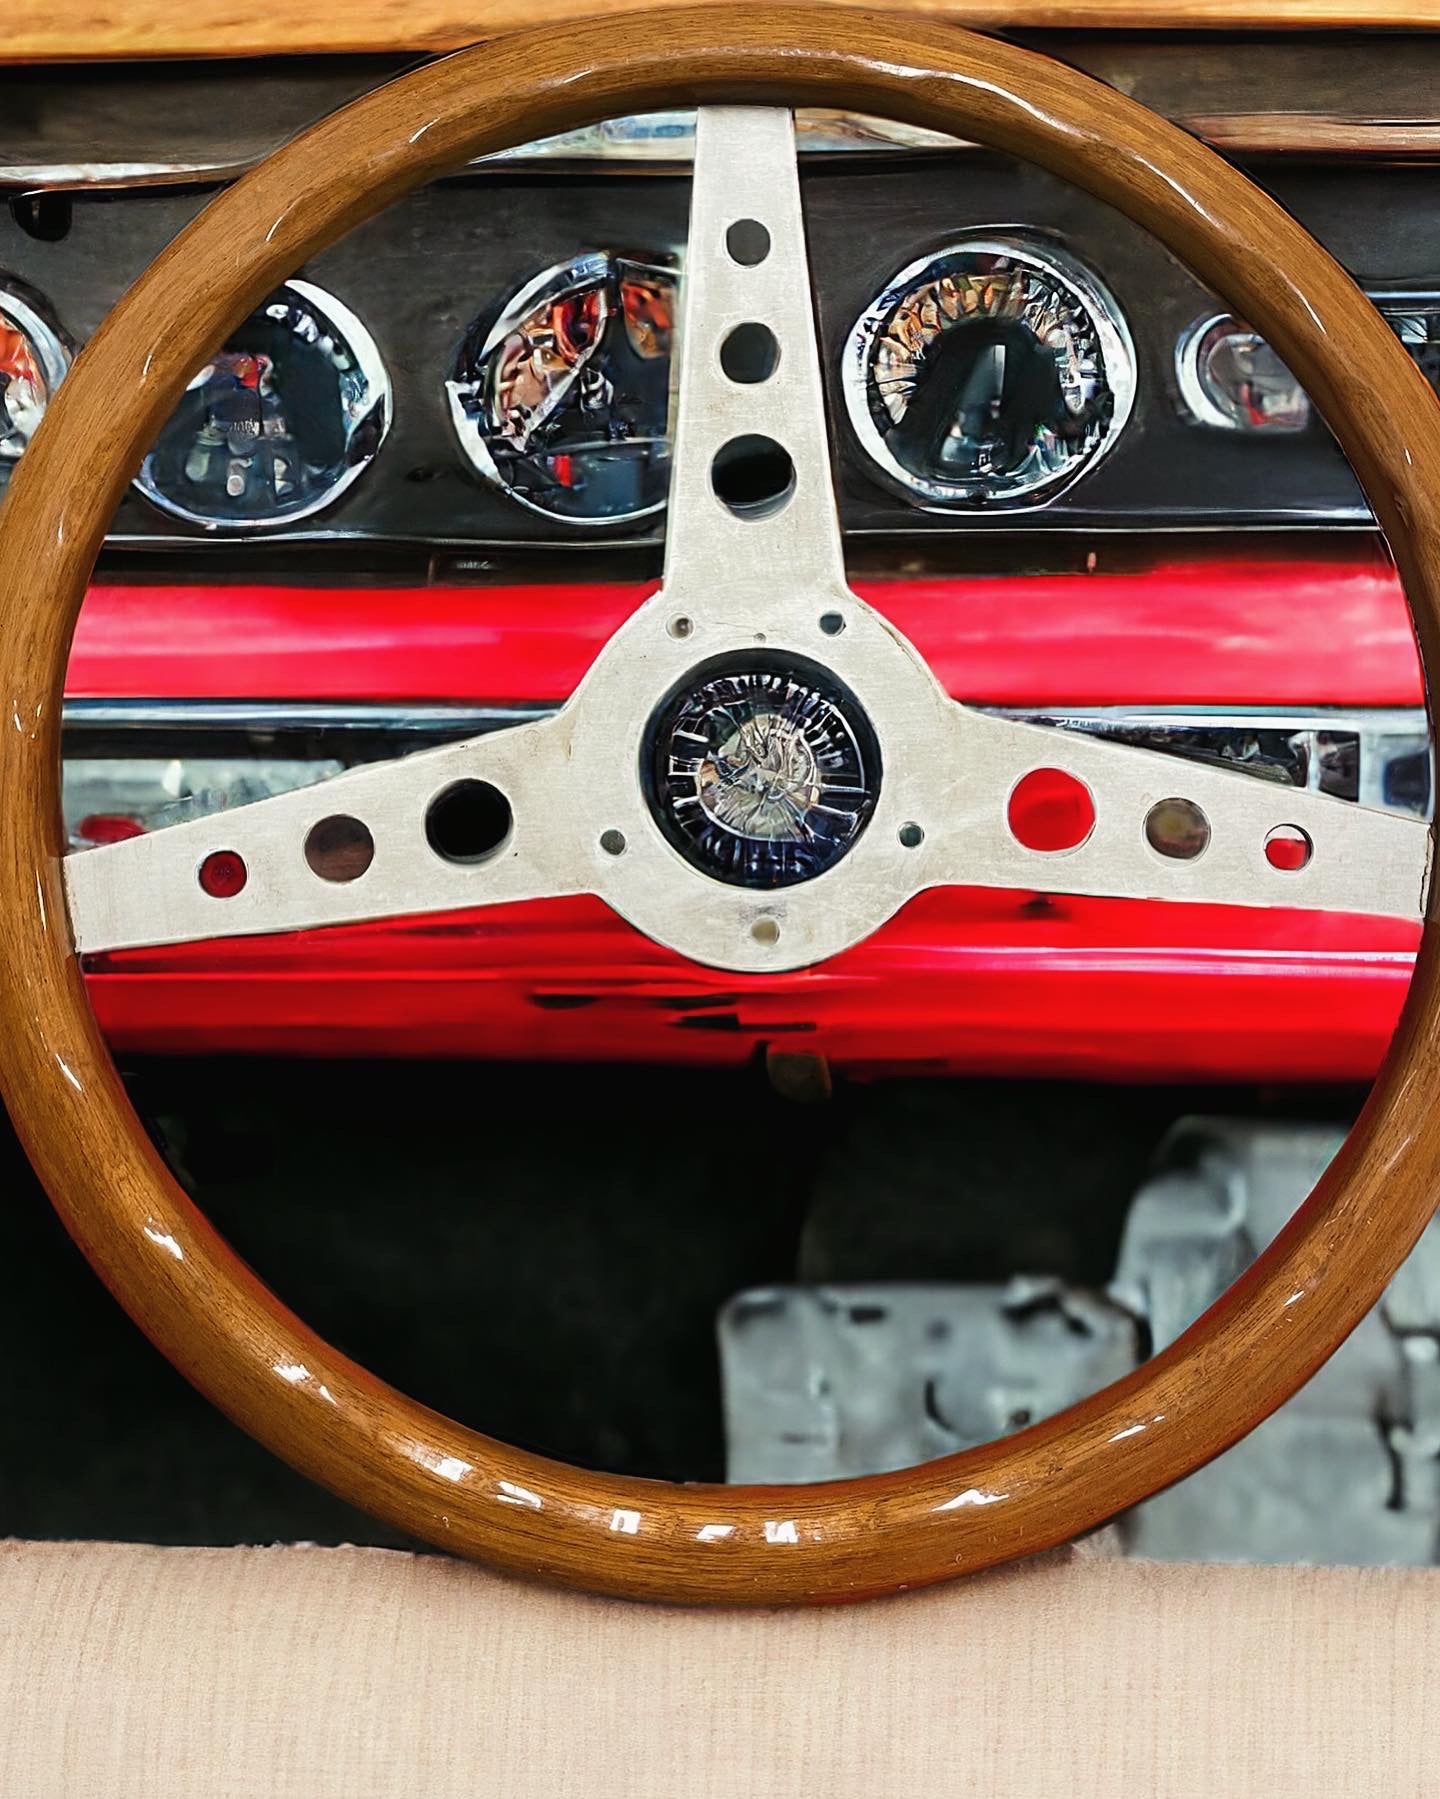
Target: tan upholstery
<point x="342" y="1674"/>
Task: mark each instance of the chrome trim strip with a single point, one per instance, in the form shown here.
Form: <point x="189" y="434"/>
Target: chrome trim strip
<point x="1381" y="736"/>
<point x="1295" y="133"/>
<point x="269" y="716"/>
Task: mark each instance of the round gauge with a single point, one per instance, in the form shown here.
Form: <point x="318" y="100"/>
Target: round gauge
<point x="992" y="373"/>
<point x="762" y="773"/>
<point x="564" y="400"/>
<point x="33" y="361"/>
<point x="1231" y="378"/>
<point x="277" y="424"/>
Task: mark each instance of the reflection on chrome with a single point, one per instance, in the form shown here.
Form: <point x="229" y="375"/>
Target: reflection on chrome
<point x="33" y="361"/>
<point x="994" y="373"/>
<point x="1230" y="378"/>
<point x="279" y="422"/>
<point x="563" y="400"/>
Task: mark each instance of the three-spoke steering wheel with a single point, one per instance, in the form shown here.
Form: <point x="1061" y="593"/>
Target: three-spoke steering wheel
<point x="839" y="781"/>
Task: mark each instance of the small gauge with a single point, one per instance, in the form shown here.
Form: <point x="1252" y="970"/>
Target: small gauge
<point x="563" y="401"/>
<point x="1230" y="378"/>
<point x="278" y="423"/>
<point x="33" y="361"/>
<point x="991" y="374"/>
<point x="761" y="771"/>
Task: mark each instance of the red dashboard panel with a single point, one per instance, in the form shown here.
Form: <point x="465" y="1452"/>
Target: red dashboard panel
<point x="1261" y="631"/>
<point x="963" y="980"/>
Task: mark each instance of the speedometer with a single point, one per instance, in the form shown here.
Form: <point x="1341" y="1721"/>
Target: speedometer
<point x="993" y="373"/>
<point x="563" y="401"/>
<point x="278" y="423"/>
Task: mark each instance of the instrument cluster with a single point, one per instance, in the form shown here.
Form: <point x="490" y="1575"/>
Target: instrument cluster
<point x="975" y="373"/>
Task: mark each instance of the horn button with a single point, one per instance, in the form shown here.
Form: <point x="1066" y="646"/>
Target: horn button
<point x="761" y="770"/>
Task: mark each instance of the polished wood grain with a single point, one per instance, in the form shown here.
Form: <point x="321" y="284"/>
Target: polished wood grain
<point x="56" y="30"/>
<point x="181" y="1281"/>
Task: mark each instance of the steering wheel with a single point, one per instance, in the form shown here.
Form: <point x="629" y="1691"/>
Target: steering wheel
<point x="751" y="595"/>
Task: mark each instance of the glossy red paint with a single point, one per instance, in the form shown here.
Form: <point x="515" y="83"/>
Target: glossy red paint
<point x="1260" y="631"/>
<point x="963" y="981"/>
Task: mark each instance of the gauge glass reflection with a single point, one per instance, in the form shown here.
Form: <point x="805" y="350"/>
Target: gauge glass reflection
<point x="1231" y="378"/>
<point x="563" y="402"/>
<point x="278" y="423"/>
<point x="993" y="373"/>
<point x="33" y="361"/>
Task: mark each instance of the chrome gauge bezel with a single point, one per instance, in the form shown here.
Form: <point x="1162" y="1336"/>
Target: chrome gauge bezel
<point x="30" y="314"/>
<point x="376" y="376"/>
<point x="556" y="281"/>
<point x="1198" y="402"/>
<point x="1054" y="263"/>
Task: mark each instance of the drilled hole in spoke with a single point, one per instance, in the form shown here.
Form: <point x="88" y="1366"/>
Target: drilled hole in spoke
<point x="468" y="821"/>
<point x="1050" y="811"/>
<point x="750" y="353"/>
<point x="753" y="475"/>
<point x="223" y="874"/>
<point x="339" y="848"/>
<point x="1178" y="829"/>
<point x="1288" y="848"/>
<point x="747" y="242"/>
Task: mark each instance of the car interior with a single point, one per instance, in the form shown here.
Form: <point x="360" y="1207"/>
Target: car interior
<point x="716" y="807"/>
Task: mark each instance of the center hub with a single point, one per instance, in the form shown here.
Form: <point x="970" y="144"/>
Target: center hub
<point x="761" y="770"/>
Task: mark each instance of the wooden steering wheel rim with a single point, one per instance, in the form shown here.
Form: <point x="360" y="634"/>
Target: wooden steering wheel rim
<point x="177" y="1277"/>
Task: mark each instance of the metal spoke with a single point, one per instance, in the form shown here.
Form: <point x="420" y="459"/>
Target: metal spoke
<point x="1359" y="860"/>
<point x="152" y="889"/>
<point x="747" y="196"/>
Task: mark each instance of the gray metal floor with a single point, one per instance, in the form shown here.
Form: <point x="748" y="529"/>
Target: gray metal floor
<point x="541" y="1252"/>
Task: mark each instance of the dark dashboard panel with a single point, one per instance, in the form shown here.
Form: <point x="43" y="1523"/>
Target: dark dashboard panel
<point x="419" y="275"/>
<point x="1164" y="470"/>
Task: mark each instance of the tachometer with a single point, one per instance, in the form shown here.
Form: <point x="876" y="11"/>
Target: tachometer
<point x="563" y="401"/>
<point x="278" y="423"/>
<point x="991" y="374"/>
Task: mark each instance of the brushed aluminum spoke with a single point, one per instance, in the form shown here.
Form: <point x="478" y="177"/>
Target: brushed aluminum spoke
<point x="1361" y="860"/>
<point x="147" y="890"/>
<point x="746" y="177"/>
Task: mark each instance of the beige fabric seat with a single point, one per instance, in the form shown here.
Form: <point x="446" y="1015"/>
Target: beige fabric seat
<point x="341" y="1674"/>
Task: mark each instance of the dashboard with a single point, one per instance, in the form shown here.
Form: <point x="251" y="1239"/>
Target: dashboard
<point x="489" y="361"/>
<point x="415" y="491"/>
